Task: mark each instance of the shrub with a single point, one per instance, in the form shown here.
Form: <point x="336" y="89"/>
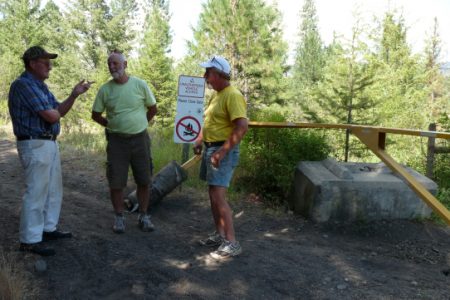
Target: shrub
<point x="442" y="170"/>
<point x="442" y="160"/>
<point x="269" y="157"/>
<point x="443" y="196"/>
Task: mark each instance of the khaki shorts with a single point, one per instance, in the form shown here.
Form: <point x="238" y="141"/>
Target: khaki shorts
<point x="124" y="150"/>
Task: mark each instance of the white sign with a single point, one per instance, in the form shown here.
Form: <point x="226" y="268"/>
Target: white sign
<point x="189" y="117"/>
<point x="189" y="86"/>
<point x="187" y="129"/>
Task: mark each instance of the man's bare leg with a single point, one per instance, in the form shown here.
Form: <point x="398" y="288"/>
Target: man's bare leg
<point x="143" y="196"/>
<point x="221" y="212"/>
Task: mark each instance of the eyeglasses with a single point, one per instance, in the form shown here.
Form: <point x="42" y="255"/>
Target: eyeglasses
<point x="46" y="63"/>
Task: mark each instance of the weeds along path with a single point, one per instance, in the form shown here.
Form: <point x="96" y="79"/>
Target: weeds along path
<point x="284" y="255"/>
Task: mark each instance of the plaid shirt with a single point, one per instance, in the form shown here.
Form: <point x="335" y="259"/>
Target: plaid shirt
<point x="27" y="97"/>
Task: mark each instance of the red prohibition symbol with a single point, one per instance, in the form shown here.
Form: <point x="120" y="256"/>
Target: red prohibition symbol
<point x="188" y="129"/>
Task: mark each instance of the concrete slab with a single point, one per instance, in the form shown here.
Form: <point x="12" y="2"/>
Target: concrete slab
<point x="329" y="190"/>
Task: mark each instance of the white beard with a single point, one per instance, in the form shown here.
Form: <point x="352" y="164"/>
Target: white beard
<point x="117" y="74"/>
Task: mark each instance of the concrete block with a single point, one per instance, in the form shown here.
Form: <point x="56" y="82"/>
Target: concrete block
<point x="336" y="191"/>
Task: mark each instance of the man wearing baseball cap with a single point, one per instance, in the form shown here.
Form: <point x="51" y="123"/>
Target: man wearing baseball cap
<point x="35" y="115"/>
<point x="224" y="127"/>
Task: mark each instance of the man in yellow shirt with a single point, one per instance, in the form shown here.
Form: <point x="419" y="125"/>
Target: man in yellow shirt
<point x="224" y="127"/>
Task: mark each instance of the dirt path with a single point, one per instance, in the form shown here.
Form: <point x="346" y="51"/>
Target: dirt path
<point x="285" y="257"/>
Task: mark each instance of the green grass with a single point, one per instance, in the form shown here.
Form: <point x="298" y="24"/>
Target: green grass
<point x="14" y="282"/>
<point x="164" y="150"/>
<point x="4" y="114"/>
<point x="87" y="144"/>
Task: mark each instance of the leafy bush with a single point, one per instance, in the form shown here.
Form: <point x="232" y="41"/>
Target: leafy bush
<point x="442" y="170"/>
<point x="269" y="157"/>
<point x="443" y="196"/>
<point x="442" y="160"/>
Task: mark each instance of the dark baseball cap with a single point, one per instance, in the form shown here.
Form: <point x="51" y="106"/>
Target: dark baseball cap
<point x="36" y="52"/>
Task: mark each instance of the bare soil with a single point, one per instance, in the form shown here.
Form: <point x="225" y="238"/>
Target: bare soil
<point x="284" y="257"/>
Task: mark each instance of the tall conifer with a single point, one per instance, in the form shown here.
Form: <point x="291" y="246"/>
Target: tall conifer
<point x="248" y="33"/>
<point x="154" y="64"/>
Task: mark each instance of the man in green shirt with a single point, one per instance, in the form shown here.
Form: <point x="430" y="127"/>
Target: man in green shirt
<point x="129" y="106"/>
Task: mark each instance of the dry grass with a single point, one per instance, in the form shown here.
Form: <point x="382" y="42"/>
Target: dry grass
<point x="14" y="283"/>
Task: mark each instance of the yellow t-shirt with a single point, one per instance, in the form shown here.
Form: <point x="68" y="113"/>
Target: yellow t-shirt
<point x="224" y="107"/>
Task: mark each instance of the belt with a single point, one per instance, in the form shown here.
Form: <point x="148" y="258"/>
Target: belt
<point x="50" y="137"/>
<point x="126" y="135"/>
<point x="213" y="144"/>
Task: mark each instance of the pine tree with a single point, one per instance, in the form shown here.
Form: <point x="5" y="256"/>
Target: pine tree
<point x="309" y="59"/>
<point x="400" y="81"/>
<point x="82" y="35"/>
<point x="154" y="64"/>
<point x="394" y="47"/>
<point x="20" y="25"/>
<point x="343" y="94"/>
<point x="19" y="29"/>
<point x="62" y="40"/>
<point x="248" y="33"/>
<point x="399" y="87"/>
<point x="435" y="80"/>
<point x="101" y="28"/>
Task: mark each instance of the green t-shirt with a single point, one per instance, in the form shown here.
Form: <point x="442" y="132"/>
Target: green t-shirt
<point x="223" y="108"/>
<point x="125" y="104"/>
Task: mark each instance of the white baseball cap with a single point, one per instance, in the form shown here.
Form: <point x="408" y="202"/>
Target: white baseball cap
<point x="219" y="63"/>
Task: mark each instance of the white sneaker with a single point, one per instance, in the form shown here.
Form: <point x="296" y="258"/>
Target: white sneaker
<point x="227" y="250"/>
<point x="145" y="223"/>
<point x="119" y="224"/>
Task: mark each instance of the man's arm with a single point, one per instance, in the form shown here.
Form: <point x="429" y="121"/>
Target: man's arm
<point x="53" y="115"/>
<point x="198" y="144"/>
<point x="239" y="130"/>
<point x="80" y="88"/>
<point x="151" y="112"/>
<point x="97" y="117"/>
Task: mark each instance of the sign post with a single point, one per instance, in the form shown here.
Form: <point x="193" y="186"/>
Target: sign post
<point x="189" y="117"/>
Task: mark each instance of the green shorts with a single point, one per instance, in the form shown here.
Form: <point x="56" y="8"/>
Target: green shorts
<point x="124" y="150"/>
